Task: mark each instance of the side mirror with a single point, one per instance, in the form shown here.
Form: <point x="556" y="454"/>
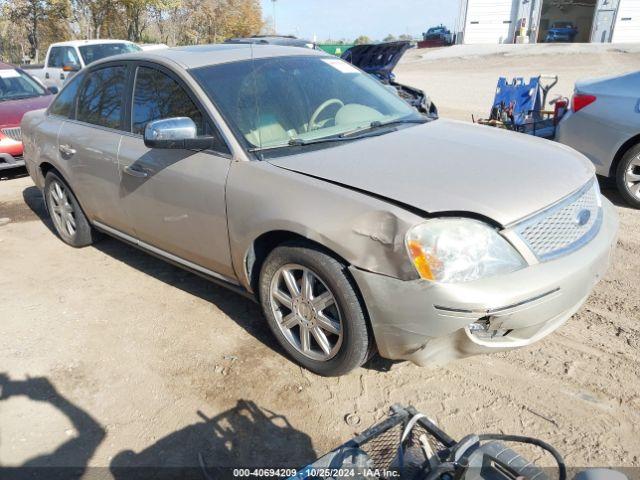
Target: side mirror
<point x="175" y="133"/>
<point x="53" y="90"/>
<point x="70" y="67"/>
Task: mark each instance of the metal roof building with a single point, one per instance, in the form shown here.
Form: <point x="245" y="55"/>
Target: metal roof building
<point x="529" y="21"/>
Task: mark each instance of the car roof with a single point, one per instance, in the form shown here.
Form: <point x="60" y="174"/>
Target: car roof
<point x="205" y="55"/>
<point x="80" y="43"/>
<point x="272" y="40"/>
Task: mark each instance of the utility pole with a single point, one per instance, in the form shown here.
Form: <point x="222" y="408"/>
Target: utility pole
<point x="275" y="27"/>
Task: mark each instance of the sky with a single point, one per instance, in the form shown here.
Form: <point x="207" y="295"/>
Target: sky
<point x="348" y="19"/>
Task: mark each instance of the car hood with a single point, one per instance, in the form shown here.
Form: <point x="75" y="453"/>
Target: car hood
<point x="448" y="166"/>
<point x="379" y="59"/>
<point x="12" y="111"/>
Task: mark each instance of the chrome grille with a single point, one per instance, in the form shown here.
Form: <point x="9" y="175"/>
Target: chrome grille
<point x="13" y="133"/>
<point x="564" y="227"/>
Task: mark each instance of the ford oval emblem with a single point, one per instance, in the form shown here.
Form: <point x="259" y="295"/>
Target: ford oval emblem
<point x="583" y="217"/>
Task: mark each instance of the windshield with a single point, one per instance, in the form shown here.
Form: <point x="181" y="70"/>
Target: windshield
<point x="562" y="25"/>
<point x="281" y="101"/>
<point x="15" y="85"/>
<point x="91" y="53"/>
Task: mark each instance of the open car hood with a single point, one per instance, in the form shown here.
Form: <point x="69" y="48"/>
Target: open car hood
<point x="379" y="59"/>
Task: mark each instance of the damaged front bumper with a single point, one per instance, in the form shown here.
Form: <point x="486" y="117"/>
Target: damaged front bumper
<point x="429" y="323"/>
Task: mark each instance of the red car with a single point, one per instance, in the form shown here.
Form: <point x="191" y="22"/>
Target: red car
<point x="19" y="93"/>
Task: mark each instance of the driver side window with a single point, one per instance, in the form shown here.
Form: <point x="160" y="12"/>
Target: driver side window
<point x="156" y="96"/>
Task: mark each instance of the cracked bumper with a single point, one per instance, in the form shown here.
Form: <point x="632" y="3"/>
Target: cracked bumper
<point x="428" y="323"/>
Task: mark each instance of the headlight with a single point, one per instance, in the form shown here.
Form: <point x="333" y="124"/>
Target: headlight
<point x="456" y="250"/>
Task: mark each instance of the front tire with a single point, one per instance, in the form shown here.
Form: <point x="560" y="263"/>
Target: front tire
<point x="69" y="220"/>
<point x="312" y="308"/>
<point x="628" y="176"/>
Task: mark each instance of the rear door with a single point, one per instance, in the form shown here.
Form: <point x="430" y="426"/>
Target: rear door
<point x="489" y="21"/>
<point x="175" y="198"/>
<point x="88" y="143"/>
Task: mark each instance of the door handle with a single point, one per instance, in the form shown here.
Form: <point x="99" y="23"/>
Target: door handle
<point x="46" y="75"/>
<point x="135" y="172"/>
<point x="62" y="76"/>
<point x="66" y="150"/>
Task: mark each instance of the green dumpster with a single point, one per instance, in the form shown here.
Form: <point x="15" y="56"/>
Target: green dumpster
<point x="336" y="49"/>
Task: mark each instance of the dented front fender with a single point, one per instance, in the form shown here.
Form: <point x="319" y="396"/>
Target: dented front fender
<point x="364" y="230"/>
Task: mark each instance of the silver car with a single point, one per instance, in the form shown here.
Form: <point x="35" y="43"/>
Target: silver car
<point x="293" y="177"/>
<point x="604" y="124"/>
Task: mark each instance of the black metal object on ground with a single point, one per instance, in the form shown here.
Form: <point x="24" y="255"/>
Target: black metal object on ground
<point x="408" y="445"/>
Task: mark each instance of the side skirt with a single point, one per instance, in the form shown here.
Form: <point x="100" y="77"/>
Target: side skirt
<point x="205" y="273"/>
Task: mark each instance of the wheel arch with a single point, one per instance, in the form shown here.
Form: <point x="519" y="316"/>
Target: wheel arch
<point x="45" y="168"/>
<point x="266" y="242"/>
<point x="624" y="148"/>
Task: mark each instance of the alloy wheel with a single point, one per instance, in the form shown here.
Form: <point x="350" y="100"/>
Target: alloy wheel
<point x="632" y="177"/>
<point x="306" y="312"/>
<point x="61" y="207"/>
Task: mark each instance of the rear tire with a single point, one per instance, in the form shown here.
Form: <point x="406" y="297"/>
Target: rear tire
<point x="311" y="305"/>
<point x="628" y="176"/>
<point x="68" y="219"/>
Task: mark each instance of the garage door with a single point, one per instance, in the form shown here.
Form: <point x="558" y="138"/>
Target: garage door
<point x="488" y="21"/>
<point x="627" y="27"/>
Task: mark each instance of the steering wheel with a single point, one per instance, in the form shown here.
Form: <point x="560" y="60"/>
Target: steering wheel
<point x="323" y="106"/>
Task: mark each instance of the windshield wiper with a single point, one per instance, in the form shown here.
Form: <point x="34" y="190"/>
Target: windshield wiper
<point x="343" y="137"/>
<point x="378" y="124"/>
<point x="300" y="142"/>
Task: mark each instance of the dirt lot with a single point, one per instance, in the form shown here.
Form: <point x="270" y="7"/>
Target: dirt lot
<point x="110" y="357"/>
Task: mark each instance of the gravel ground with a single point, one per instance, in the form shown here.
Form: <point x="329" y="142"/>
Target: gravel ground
<point x="109" y="357"/>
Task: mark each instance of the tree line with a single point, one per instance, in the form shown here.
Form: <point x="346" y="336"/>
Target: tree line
<point x="27" y="27"/>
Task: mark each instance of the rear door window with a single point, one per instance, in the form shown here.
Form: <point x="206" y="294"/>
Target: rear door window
<point x="101" y="97"/>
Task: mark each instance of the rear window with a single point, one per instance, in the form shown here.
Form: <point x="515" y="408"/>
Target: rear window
<point x="91" y="53"/>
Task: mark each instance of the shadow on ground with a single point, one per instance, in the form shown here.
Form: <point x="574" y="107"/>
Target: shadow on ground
<point x="69" y="460"/>
<point x="12" y="173"/>
<point x="610" y="191"/>
<point x="243" y="311"/>
<point x="245" y="436"/>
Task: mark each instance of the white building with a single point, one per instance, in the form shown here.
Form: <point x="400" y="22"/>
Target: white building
<point x="501" y="21"/>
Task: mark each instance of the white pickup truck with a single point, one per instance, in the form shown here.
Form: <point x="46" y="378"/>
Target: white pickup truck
<point x="65" y="58"/>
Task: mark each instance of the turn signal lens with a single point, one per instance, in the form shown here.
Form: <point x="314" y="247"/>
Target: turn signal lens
<point x="421" y="260"/>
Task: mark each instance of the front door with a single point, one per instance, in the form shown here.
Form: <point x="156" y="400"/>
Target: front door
<point x="54" y="75"/>
<point x="175" y="198"/>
